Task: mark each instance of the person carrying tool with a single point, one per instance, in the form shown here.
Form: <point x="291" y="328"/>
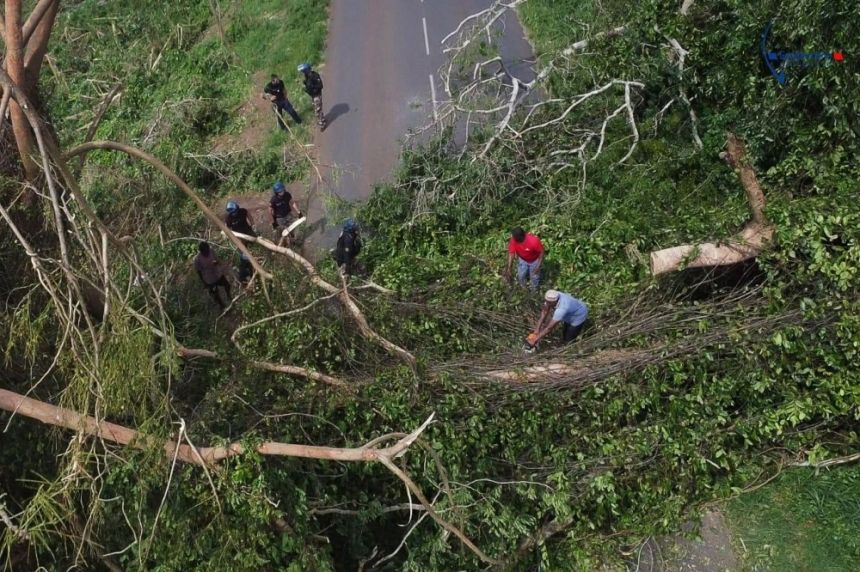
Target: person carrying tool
<point x="565" y="309"/>
<point x="314" y="87"/>
<point x="282" y="208"/>
<point x="348" y="247"/>
<point x="276" y="92"/>
<point x="529" y="254"/>
<point x="211" y="273"/>
<point x="239" y="219"/>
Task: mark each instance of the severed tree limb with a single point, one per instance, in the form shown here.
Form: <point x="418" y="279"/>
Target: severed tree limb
<point x="62" y="417"/>
<point x="754" y="237"/>
<point x="175" y="179"/>
<point x="342" y="294"/>
<point x="204" y="456"/>
<point x="292" y="370"/>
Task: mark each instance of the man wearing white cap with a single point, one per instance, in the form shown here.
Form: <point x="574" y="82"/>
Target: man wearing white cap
<point x="566" y="309"/>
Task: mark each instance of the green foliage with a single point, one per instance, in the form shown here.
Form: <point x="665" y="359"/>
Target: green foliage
<point x="620" y="459"/>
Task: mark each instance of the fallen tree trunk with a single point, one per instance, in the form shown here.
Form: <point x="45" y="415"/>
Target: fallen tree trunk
<point x="754" y="238"/>
<point x="204" y="456"/>
<point x="62" y="417"/>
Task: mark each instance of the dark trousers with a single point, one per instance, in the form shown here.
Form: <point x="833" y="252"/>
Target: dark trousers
<point x="246" y="271"/>
<point x="570" y="332"/>
<point x="213" y="290"/>
<point x="282" y="105"/>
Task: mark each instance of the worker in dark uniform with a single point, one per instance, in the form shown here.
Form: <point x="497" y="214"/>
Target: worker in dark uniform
<point x="282" y="207"/>
<point x="276" y="92"/>
<point x="314" y="87"/>
<point x="239" y="219"/>
<point x="348" y="247"/>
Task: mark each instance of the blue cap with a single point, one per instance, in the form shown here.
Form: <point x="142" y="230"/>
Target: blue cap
<point x="304" y="67"/>
<point x="232" y="206"/>
<point x="279" y="187"/>
<point x="350" y="224"/>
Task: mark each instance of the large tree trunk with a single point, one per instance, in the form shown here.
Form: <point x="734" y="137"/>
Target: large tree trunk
<point x="14" y="38"/>
<point x="747" y="244"/>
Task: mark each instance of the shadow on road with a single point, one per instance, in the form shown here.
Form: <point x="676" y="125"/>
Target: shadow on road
<point x="336" y="111"/>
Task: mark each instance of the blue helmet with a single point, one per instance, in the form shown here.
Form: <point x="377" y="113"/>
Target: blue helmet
<point x="305" y="67"/>
<point x="350" y="224"/>
<point x="232" y="207"/>
<point x="279" y="187"/>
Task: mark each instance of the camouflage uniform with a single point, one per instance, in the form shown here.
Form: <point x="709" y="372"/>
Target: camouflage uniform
<point x="318" y="111"/>
<point x="314" y="87"/>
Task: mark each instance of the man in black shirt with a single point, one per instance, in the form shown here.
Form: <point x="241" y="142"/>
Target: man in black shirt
<point x="314" y="87"/>
<point x="282" y="207"/>
<point x="277" y="94"/>
<point x="348" y="247"/>
<point x="239" y="219"/>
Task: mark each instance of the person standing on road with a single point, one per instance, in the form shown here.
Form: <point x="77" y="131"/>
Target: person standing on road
<point x="565" y="309"/>
<point x="348" y="247"/>
<point x="282" y="207"/>
<point x="314" y="87"/>
<point x="529" y="253"/>
<point x="210" y="272"/>
<point x="276" y="92"/>
<point x="239" y="219"/>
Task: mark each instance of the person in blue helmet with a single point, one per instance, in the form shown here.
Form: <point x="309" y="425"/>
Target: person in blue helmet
<point x="239" y="219"/>
<point x="282" y="207"/>
<point x="276" y="92"/>
<point x="348" y="247"/>
<point x="313" y="87"/>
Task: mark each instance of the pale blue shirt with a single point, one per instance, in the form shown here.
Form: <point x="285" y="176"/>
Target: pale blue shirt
<point x="570" y="310"/>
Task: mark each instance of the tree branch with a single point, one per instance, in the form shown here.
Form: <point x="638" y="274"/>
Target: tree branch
<point x="342" y="294"/>
<point x="754" y="237"/>
<point x="203" y="456"/>
<point x="174" y="178"/>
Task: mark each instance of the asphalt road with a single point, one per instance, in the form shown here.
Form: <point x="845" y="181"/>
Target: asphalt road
<point x="381" y="80"/>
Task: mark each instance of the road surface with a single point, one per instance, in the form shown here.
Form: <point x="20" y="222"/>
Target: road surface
<point x="381" y="80"/>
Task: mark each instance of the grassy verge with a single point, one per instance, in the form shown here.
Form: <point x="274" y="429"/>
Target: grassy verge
<point x="188" y="71"/>
<point x="801" y="521"/>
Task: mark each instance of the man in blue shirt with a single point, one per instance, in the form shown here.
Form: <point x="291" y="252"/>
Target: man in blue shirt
<point x="566" y="309"/>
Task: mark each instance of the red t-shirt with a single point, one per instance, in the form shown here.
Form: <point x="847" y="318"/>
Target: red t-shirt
<point x="529" y="249"/>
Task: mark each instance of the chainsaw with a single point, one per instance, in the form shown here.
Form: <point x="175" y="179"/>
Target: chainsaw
<point x="530" y="345"/>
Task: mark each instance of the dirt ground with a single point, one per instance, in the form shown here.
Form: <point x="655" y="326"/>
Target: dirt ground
<point x="712" y="551"/>
<point x="258" y="121"/>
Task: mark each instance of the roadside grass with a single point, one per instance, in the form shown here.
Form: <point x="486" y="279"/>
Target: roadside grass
<point x="182" y="85"/>
<point x="274" y="36"/>
<point x="801" y="521"/>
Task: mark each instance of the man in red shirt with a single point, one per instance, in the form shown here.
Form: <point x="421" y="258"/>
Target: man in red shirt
<point x="529" y="252"/>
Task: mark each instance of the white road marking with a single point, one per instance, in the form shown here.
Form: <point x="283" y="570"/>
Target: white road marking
<point x="433" y="95"/>
<point x="426" y="41"/>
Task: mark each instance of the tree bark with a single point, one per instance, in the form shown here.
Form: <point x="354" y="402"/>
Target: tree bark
<point x="749" y="243"/>
<point x="62" y="417"/>
<point x="14" y="40"/>
<point x="183" y="186"/>
<point x="36" y="42"/>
